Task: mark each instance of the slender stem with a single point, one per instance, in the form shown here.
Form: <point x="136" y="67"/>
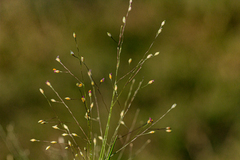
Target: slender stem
<point x="107" y="128"/>
<point x="119" y="48"/>
<point x="69" y="112"/>
<point x="128" y="135"/>
<point x="144" y="131"/>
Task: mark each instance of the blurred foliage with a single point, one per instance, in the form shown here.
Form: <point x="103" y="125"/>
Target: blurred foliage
<point x="198" y="68"/>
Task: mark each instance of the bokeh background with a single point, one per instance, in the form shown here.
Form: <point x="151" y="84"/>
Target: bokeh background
<point x="198" y="68"/>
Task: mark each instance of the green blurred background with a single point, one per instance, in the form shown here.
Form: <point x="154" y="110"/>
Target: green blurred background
<point x="198" y="68"/>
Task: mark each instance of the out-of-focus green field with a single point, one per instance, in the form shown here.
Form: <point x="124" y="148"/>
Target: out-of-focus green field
<point x="198" y="68"/>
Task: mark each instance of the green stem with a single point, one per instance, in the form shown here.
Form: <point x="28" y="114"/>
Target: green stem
<point x="107" y="128"/>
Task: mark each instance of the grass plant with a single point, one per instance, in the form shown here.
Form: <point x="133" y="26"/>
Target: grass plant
<point x="98" y="139"/>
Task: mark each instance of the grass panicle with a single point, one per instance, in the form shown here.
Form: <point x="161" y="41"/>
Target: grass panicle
<point x="97" y="140"/>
